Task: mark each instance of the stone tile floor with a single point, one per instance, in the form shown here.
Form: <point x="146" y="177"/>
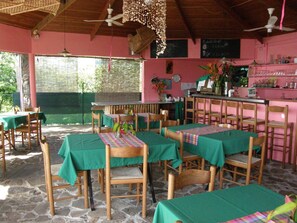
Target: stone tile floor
<point x="23" y="197"/>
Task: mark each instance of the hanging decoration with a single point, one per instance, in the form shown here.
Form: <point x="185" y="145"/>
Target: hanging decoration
<point x="14" y="7"/>
<point x="283" y="15"/>
<point x="151" y="13"/>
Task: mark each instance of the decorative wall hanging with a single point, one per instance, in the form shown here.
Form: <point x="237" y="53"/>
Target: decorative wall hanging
<point x="151" y="13"/>
<point x="14" y="7"/>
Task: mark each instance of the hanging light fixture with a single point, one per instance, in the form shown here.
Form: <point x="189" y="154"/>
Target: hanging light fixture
<point x="65" y="52"/>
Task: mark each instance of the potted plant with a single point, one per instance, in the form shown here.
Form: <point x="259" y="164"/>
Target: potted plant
<point x="289" y="206"/>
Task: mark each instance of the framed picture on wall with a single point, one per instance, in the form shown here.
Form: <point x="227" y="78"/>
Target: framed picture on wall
<point x="168" y="83"/>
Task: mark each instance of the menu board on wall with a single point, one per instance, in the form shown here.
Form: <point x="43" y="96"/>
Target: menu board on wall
<point x="218" y="48"/>
<point x="174" y="48"/>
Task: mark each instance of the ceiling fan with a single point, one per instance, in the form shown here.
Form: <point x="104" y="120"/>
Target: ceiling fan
<point x="110" y="20"/>
<point x="271" y="24"/>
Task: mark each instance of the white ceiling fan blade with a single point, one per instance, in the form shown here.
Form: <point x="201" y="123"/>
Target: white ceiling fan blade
<point x="93" y="20"/>
<point x="272" y="20"/>
<point x="254" y="29"/>
<point x="117" y="23"/>
<point x="117" y="17"/>
<point x="284" y="28"/>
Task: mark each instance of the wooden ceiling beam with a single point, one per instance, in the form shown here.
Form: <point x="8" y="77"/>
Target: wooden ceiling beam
<point x="50" y="17"/>
<point x="102" y="16"/>
<point x="185" y="22"/>
<point x="227" y="8"/>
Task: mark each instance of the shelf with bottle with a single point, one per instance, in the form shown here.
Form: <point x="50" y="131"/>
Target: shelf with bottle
<point x="271" y="70"/>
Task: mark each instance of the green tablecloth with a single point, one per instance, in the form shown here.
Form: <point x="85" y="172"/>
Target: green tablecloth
<point x="108" y="120"/>
<point x="214" y="147"/>
<point x="87" y="152"/>
<point x="218" y="206"/>
<point x="11" y="120"/>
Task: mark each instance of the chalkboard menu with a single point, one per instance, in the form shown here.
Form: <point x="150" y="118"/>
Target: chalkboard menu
<point x="174" y="48"/>
<point x="218" y="48"/>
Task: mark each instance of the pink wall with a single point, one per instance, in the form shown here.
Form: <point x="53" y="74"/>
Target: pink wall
<point x="14" y="39"/>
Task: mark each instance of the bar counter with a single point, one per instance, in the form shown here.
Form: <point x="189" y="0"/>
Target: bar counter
<point x="241" y="99"/>
<point x="292" y="116"/>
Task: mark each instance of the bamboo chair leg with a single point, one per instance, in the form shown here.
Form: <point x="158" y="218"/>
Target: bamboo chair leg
<point x="86" y="197"/>
<point x="165" y="170"/>
<point x="79" y="190"/>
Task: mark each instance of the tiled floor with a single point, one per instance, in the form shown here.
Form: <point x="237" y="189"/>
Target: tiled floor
<point x="23" y="197"/>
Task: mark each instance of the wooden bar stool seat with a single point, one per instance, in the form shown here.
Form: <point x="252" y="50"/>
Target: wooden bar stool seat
<point x="284" y="133"/>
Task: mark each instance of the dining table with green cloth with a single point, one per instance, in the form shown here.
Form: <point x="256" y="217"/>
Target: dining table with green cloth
<point x="214" y="147"/>
<point x="87" y="152"/>
<point x="218" y="206"/>
<point x="11" y="120"/>
<point x="110" y="119"/>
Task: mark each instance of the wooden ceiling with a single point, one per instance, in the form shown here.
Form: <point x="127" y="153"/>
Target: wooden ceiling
<point x="185" y="18"/>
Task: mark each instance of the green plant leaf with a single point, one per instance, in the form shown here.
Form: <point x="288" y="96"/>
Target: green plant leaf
<point x="116" y="127"/>
<point x="282" y="209"/>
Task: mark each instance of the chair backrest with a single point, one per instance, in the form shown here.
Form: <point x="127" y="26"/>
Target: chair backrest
<point x="277" y="109"/>
<point x="191" y="177"/>
<point x="177" y="136"/>
<point x="231" y="105"/>
<point x="105" y="130"/>
<point x="126" y="152"/>
<point x="33" y="109"/>
<point x="255" y="143"/>
<point x="154" y="118"/>
<point x="32" y="119"/>
<point x="165" y="113"/>
<point x="120" y="111"/>
<point x="169" y="122"/>
<point x="200" y="104"/>
<point x="96" y="122"/>
<point x="129" y="119"/>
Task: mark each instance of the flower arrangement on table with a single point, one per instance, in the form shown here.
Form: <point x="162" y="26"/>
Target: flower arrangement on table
<point x="159" y="86"/>
<point x="123" y="128"/>
<point x="219" y="73"/>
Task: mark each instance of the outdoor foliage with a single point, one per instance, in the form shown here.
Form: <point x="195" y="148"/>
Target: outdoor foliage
<point x="8" y="83"/>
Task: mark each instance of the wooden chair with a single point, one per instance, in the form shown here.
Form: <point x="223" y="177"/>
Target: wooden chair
<point x="190" y="177"/>
<point x="30" y="129"/>
<point x="154" y="118"/>
<point x="96" y="122"/>
<point x="215" y="111"/>
<point x="126" y="175"/>
<point x="250" y="122"/>
<point x="37" y="110"/>
<point x="201" y="114"/>
<point x="2" y="150"/>
<point x="168" y="123"/>
<point x="231" y="114"/>
<point x="130" y="119"/>
<point x="189" y="110"/>
<point x="243" y="165"/>
<point x="190" y="160"/>
<point x="282" y="139"/>
<point x="51" y="176"/>
<point x="165" y="113"/>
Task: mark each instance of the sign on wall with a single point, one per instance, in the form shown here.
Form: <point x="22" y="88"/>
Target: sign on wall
<point x="219" y="48"/>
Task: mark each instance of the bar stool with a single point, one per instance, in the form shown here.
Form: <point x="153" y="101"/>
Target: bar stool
<point x="287" y="127"/>
<point x="250" y="122"/>
<point x="201" y="115"/>
<point x="231" y="115"/>
<point x="215" y="111"/>
<point x="189" y="110"/>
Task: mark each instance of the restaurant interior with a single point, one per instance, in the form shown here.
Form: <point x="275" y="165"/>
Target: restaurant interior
<point x="209" y="134"/>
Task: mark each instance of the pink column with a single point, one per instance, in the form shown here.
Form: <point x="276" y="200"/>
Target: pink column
<point x="32" y="79"/>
